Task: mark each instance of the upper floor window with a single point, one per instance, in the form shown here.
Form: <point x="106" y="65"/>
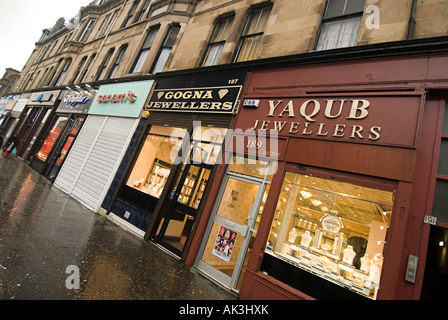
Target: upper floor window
<point x="340" y="24"/>
<point x="166" y="49"/>
<point x="117" y="61"/>
<point x="63" y="72"/>
<point x="142" y="11"/>
<point x="103" y="26"/>
<point x="89" y="65"/>
<point x="85" y="31"/>
<point x="44" y="76"/>
<point x="217" y="41"/>
<point x="131" y="14"/>
<point x="78" y="71"/>
<point x="252" y="33"/>
<point x="105" y="63"/>
<point x="111" y="22"/>
<point x="53" y="72"/>
<point x="141" y="57"/>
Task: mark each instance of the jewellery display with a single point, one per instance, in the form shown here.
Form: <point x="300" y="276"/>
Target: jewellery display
<point x="306" y="239"/>
<point x="365" y="263"/>
<point x="156" y="180"/>
<point x="349" y="254"/>
<point x="293" y="235"/>
<point x="332" y="229"/>
<point x="324" y="251"/>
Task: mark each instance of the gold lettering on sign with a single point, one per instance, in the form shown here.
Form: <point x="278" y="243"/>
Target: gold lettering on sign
<point x="309" y="110"/>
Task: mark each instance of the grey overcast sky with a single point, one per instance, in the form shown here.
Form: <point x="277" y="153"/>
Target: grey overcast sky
<point x="21" y="25"/>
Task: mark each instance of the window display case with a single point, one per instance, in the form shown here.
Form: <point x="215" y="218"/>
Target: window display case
<point x="155" y="161"/>
<point x="193" y="186"/>
<point x="154" y="184"/>
<point x="334" y="230"/>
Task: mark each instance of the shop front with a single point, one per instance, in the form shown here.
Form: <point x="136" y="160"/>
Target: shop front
<point x="33" y="121"/>
<point x="161" y="190"/>
<point x="321" y="193"/>
<point x="94" y="157"/>
<point x="62" y="132"/>
<point x="8" y="117"/>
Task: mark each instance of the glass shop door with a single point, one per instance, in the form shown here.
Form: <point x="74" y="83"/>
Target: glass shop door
<point x="230" y="234"/>
<point x="62" y="147"/>
<point x="180" y="209"/>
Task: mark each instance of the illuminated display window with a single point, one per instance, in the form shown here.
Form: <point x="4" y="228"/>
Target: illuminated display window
<point x="154" y="163"/>
<point x="335" y="230"/>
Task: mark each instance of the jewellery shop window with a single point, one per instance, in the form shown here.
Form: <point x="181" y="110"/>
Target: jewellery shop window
<point x="204" y="150"/>
<point x="155" y="161"/>
<point x="335" y="230"/>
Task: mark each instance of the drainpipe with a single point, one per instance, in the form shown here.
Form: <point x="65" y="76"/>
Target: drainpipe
<point x="412" y="19"/>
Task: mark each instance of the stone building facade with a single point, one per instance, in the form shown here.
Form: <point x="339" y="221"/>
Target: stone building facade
<point x="345" y="66"/>
<point x="111" y="35"/>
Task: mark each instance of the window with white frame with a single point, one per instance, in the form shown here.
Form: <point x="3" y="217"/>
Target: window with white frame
<point x="141" y="57"/>
<point x="117" y="61"/>
<point x="166" y="49"/>
<point x="105" y="63"/>
<point x="141" y="13"/>
<point x="86" y="70"/>
<point x="131" y="14"/>
<point x="103" y="26"/>
<point x="111" y="22"/>
<point x="80" y="66"/>
<point x="64" y="71"/>
<point x="340" y="24"/>
<point x="86" y="30"/>
<point x="252" y="33"/>
<point x="217" y="41"/>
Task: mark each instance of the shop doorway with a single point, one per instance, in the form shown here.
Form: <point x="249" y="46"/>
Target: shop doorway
<point x="230" y="234"/>
<point x="181" y="208"/>
<point x="62" y="147"/>
<point x="182" y="205"/>
<point x="436" y="268"/>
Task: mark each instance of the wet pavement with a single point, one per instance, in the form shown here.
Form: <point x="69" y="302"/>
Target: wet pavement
<point x="46" y="237"/>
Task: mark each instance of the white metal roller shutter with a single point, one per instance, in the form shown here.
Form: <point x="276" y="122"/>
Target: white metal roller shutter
<point x="79" y="153"/>
<point x="102" y="163"/>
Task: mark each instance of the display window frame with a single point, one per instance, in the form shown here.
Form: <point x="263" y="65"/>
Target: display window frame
<point x="45" y="167"/>
<point x="140" y="199"/>
<point x="47" y="138"/>
<point x="302" y="280"/>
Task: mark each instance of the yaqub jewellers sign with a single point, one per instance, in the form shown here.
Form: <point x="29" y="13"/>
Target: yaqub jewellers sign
<point x="208" y="99"/>
<point x="381" y="120"/>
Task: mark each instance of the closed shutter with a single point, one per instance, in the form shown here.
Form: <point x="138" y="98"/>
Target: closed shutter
<point x="99" y="166"/>
<point x="79" y="153"/>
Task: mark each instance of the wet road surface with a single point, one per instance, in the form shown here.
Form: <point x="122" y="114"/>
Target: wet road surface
<point x="45" y="236"/>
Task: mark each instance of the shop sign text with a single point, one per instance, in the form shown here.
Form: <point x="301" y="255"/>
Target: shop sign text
<point x="308" y="111"/>
<point x="123" y="97"/>
<point x="74" y="100"/>
<point x="213" y="100"/>
<point x="382" y="120"/>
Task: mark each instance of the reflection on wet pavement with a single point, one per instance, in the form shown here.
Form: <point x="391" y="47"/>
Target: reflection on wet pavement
<point x="43" y="231"/>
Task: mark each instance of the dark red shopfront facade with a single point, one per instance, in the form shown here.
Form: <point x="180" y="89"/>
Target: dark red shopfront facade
<point x="357" y="170"/>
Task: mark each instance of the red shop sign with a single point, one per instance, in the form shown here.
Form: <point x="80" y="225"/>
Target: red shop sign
<point x="392" y="120"/>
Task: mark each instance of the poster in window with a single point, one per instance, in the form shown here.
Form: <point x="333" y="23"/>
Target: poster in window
<point x="224" y="243"/>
